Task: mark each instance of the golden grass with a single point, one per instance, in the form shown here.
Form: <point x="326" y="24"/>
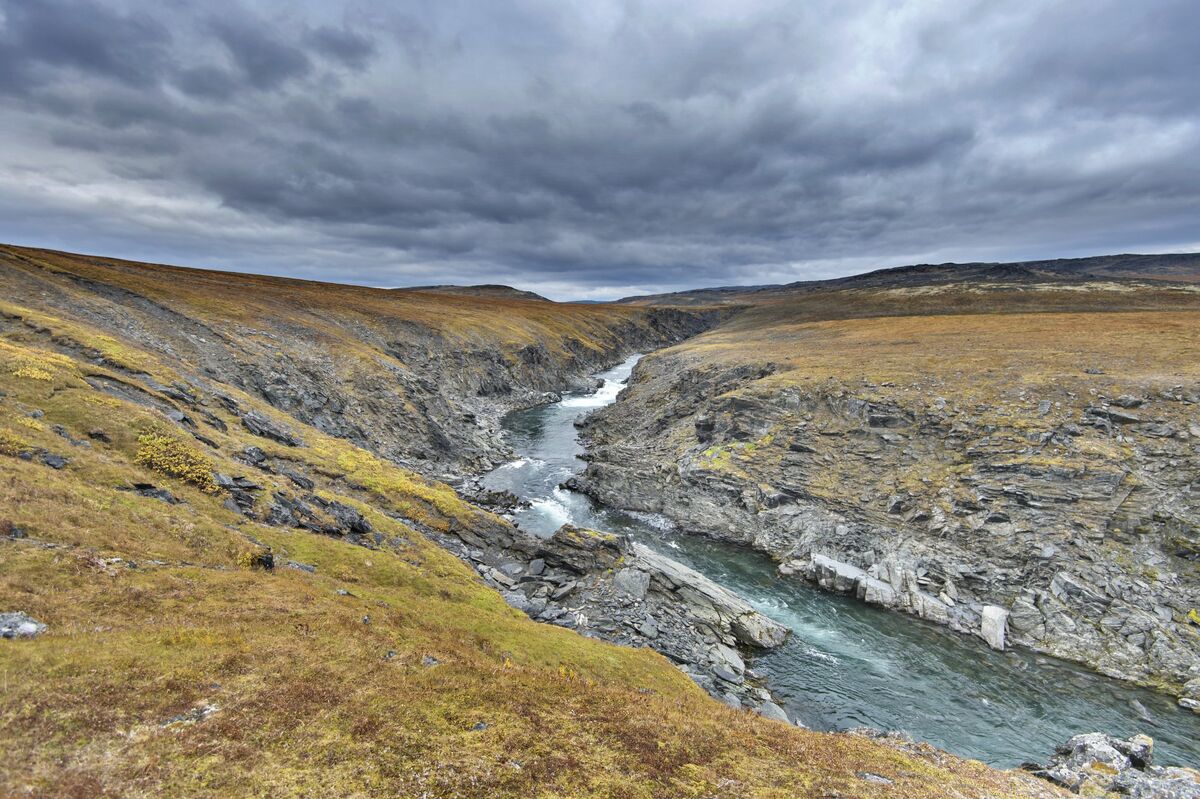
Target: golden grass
<point x="984" y="351"/>
<point x="339" y="313"/>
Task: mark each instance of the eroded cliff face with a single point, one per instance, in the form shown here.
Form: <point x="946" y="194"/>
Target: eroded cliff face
<point x="1027" y="479"/>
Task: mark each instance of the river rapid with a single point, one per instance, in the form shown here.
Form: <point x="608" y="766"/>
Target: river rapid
<point x="847" y="664"/>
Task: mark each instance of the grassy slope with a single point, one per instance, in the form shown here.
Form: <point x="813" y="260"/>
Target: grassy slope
<point x="996" y="350"/>
<point x="156" y="610"/>
<point x="982" y="344"/>
<point x="998" y="365"/>
<point x="327" y="309"/>
<point x="391" y="370"/>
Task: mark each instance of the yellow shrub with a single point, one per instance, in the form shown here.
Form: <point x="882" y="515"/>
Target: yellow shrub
<point x="172" y="457"/>
<point x="32" y="372"/>
<point x="11" y="443"/>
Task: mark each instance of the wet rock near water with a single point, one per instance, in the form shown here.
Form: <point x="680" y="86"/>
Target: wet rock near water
<point x="605" y="586"/>
<point x="501" y="502"/>
<point x="1099" y="765"/>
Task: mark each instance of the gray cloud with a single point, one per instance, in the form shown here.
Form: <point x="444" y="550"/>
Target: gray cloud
<point x="265" y="62"/>
<point x="601" y="150"/>
<point x="351" y="48"/>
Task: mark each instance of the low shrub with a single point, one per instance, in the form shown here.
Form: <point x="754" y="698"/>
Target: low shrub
<point x="169" y="456"/>
<point x="11" y="443"/>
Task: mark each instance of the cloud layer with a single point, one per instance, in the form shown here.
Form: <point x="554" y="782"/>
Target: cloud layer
<point x="600" y="148"/>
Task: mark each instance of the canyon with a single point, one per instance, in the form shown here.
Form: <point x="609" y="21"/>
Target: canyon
<point x="262" y="497"/>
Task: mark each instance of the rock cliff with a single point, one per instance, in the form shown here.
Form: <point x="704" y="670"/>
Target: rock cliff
<point x="1025" y="471"/>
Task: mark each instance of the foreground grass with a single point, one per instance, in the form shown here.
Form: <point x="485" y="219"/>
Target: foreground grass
<point x="174" y="667"/>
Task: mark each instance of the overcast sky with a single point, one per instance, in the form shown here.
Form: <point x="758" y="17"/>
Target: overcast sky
<point x="598" y="148"/>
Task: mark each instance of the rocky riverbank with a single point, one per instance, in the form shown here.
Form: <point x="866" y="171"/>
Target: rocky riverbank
<point x="604" y="586"/>
<point x="1094" y="764"/>
<point x="1056" y="513"/>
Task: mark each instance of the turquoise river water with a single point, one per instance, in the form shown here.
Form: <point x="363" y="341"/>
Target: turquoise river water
<point x="847" y="664"/>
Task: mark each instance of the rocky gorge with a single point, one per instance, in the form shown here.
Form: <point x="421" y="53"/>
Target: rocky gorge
<point x="421" y="380"/>
<point x="1057" y="514"/>
<point x="267" y="490"/>
<point x="603" y="585"/>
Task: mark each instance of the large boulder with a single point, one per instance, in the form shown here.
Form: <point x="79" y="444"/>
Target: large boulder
<point x="583" y="551"/>
<point x="20" y="625"/>
<point x="1095" y="764"/>
<point x="992" y="626"/>
<point x="260" y="425"/>
<point x="709" y="601"/>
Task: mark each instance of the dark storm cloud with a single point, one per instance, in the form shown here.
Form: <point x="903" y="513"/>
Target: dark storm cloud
<point x="599" y="149"/>
<point x="352" y="49"/>
<point x="80" y="37"/>
<point x="264" y="61"/>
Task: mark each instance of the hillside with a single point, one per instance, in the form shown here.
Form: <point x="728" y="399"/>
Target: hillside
<point x="204" y="499"/>
<point x="419" y="378"/>
<point x="1016" y="459"/>
<point x="1176" y="267"/>
<point x="483" y="290"/>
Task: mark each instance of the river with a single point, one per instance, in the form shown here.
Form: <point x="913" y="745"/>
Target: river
<point x="847" y="664"/>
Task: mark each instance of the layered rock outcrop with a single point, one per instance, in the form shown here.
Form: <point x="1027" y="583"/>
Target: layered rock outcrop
<point x="1099" y="765"/>
<point x="1057" y="517"/>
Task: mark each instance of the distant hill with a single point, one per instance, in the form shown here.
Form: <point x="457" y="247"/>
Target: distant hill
<point x="1175" y="267"/>
<point x="484" y="290"/>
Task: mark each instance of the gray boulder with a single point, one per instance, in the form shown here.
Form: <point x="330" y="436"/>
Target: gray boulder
<point x="1095" y="764"/>
<point x="995" y="619"/>
<point x="20" y="625"/>
<point x="633" y="583"/>
<point x="770" y="710"/>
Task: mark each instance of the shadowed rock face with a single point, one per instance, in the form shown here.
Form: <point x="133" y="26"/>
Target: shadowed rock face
<point x="1030" y="481"/>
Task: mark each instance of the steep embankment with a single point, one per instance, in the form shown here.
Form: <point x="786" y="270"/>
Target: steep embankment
<point x="1013" y="460"/>
<point x="237" y="602"/>
<point x="418" y="378"/>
